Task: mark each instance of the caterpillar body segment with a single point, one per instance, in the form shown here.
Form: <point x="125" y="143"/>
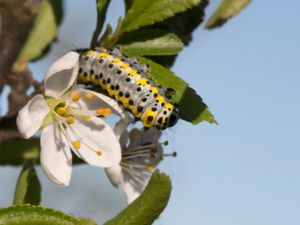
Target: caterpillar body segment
<point x="125" y="80"/>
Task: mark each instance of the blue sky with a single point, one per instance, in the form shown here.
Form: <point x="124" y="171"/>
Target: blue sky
<point x="244" y="170"/>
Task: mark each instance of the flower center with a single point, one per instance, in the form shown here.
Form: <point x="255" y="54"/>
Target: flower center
<point x="67" y="113"/>
<point x="145" y="156"/>
<point x="67" y="109"/>
<point x="60" y="108"/>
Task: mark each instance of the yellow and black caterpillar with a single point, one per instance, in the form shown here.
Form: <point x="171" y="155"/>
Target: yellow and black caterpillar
<point x="125" y="80"/>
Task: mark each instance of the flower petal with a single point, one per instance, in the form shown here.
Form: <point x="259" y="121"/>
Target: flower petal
<point x="98" y="144"/>
<point x="114" y="174"/>
<point x="56" y="156"/>
<point x="98" y="101"/>
<point x="31" y="116"/>
<point x="124" y="139"/>
<point x="132" y="186"/>
<point x="61" y="75"/>
<point x="140" y="137"/>
<point x="120" y="129"/>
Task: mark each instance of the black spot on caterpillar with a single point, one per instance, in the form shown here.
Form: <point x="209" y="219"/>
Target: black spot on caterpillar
<point x="126" y="80"/>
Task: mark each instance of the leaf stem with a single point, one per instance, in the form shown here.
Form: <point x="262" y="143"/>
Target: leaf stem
<point x="102" y="6"/>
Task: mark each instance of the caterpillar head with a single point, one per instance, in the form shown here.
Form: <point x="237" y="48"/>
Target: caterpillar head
<point x="167" y="117"/>
<point x="173" y="118"/>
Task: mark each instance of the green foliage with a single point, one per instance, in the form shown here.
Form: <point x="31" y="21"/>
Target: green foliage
<point x="86" y="221"/>
<point x="43" y="32"/>
<point x="150" y="42"/>
<point x="128" y="4"/>
<point x="102" y="6"/>
<point x="145" y="209"/>
<point x="182" y="25"/>
<point x="57" y="6"/>
<point x="104" y="40"/>
<point x="18" y="151"/>
<point x="145" y="12"/>
<point x="226" y="10"/>
<point x="37" y="215"/>
<point x="28" y="188"/>
<point x="191" y="107"/>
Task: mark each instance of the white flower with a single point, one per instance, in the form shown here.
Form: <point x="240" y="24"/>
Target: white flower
<point x="69" y="118"/>
<point x="139" y="157"/>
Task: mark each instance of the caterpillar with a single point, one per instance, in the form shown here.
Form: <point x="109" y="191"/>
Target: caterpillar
<point x="126" y="80"/>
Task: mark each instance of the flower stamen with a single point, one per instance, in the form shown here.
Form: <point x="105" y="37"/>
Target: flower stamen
<point x="150" y="167"/>
<point x="165" y="143"/>
<point x="75" y="96"/>
<point x="131" y="164"/>
<point x="98" y="153"/>
<point x="87" y="118"/>
<point x="173" y="154"/>
<point x="76" y="144"/>
<point x="103" y="112"/>
<point x="61" y="111"/>
<point x="89" y="96"/>
<point x="70" y="120"/>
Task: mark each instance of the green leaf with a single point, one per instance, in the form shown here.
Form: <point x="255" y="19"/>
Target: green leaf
<point x="145" y="12"/>
<point x="150" y="42"/>
<point x="28" y="188"/>
<point x="145" y="209"/>
<point x="18" y="151"/>
<point x="104" y="40"/>
<point x="182" y="25"/>
<point x="102" y="6"/>
<point x="43" y="32"/>
<point x="191" y="107"/>
<point x="57" y="6"/>
<point x="226" y="10"/>
<point x="36" y="215"/>
<point x="128" y="4"/>
<point x="86" y="221"/>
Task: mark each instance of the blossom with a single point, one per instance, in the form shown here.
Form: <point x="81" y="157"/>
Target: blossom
<point x="69" y="118"/>
<point x="139" y="157"/>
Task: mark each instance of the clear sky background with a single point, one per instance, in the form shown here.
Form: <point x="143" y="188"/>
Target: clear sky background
<point x="243" y="171"/>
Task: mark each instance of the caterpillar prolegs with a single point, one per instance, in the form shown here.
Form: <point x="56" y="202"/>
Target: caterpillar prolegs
<point x="126" y="80"/>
